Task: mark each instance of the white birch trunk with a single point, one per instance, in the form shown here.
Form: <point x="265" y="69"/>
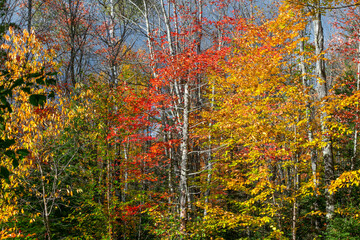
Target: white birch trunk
<point x="184" y="161"/>
<point x="353" y="158"/>
<point x="45" y="204"/>
<point x="322" y="90"/>
<point x="310" y="120"/>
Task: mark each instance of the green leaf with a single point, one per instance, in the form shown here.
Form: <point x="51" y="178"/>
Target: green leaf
<point x="51" y="73"/>
<point x="4" y="72"/>
<point x="37" y="99"/>
<point x="3" y="100"/>
<point x="15" y="163"/>
<point x="4" y="172"/>
<point x="7" y="106"/>
<point x="40" y="81"/>
<point x="22" y="153"/>
<point x="4" y="144"/>
<point x="17" y="82"/>
<point x="10" y="154"/>
<point x="50" y="81"/>
<point x="34" y="75"/>
<point x="26" y="90"/>
<point x="51" y="94"/>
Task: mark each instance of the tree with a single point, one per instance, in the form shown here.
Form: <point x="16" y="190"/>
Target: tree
<point x="68" y="29"/>
<point x="258" y="123"/>
<point x="30" y="80"/>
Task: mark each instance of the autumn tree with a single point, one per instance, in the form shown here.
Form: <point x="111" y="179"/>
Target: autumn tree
<point x="258" y="115"/>
<point x="30" y="76"/>
<point x="67" y="29"/>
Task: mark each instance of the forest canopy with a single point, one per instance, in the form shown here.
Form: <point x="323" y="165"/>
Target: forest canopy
<point x="179" y="119"/>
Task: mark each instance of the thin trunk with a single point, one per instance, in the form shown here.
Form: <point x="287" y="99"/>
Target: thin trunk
<point x="125" y="174"/>
<point x="72" y="42"/>
<point x="108" y="196"/>
<point x="112" y="45"/>
<point x="108" y="188"/>
<point x="294" y="219"/>
<point x="176" y="27"/>
<point x="353" y="158"/>
<point x="184" y="161"/>
<point x="29" y="21"/>
<point x="171" y="187"/>
<point x="310" y="120"/>
<point x="168" y="28"/>
<point x="209" y="160"/>
<point x="322" y="90"/>
<point x="149" y="36"/>
<point x="72" y="64"/>
<point x="295" y="204"/>
<point x="209" y="163"/>
<point x="199" y="22"/>
<point x="44" y="200"/>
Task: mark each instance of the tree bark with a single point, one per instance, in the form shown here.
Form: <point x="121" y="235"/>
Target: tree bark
<point x="184" y="161"/>
<point x="209" y="160"/>
<point x="310" y="120"/>
<point x="353" y="158"/>
<point x="44" y="200"/>
<point x="29" y="21"/>
<point x="295" y="203"/>
<point x="322" y="91"/>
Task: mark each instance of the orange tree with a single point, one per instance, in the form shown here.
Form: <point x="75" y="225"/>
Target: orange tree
<point x="259" y="124"/>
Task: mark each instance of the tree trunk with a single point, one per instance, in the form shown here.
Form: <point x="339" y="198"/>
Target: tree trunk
<point x="29" y="22"/>
<point x="126" y="162"/>
<point x="310" y="120"/>
<point x="353" y="158"/>
<point x="322" y="90"/>
<point x="209" y="160"/>
<point x="108" y="190"/>
<point x="295" y="203"/>
<point x="45" y="206"/>
<point x="113" y="73"/>
<point x="184" y="161"/>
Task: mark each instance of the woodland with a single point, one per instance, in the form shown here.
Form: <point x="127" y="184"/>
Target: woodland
<point x="179" y="119"/>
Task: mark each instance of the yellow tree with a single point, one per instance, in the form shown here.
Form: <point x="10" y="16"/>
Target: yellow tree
<point x="323" y="86"/>
<point x="32" y="118"/>
<point x="259" y="120"/>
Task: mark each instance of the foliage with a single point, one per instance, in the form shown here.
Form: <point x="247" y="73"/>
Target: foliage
<point x="19" y="75"/>
<point x="259" y="115"/>
<point x="215" y="129"/>
<point x="343" y="228"/>
<point x="27" y="74"/>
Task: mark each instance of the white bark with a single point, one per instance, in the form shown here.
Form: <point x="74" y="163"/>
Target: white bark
<point x="184" y="161"/>
<point x="353" y="158"/>
<point x="310" y="120"/>
<point x="322" y="91"/>
<point x="113" y="73"/>
<point x="45" y="204"/>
